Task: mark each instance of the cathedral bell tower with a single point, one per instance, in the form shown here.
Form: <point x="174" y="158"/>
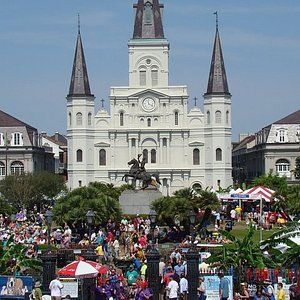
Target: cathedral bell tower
<point x="217" y="112"/>
<point x="80" y="116"/>
<point x="148" y="48"/>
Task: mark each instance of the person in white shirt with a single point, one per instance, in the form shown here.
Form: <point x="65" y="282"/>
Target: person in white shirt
<point x="173" y="289"/>
<point x="55" y="287"/>
<point x="183" y="287"/>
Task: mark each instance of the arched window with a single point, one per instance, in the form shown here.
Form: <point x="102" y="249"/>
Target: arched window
<point x="145" y="155"/>
<point x="218" y="154"/>
<point x="102" y="157"/>
<point x="227" y="117"/>
<point x="218" y="117"/>
<point x="165" y="182"/>
<point x="142" y="77"/>
<point x="196" y="157"/>
<point x="149" y="122"/>
<point x="70" y="119"/>
<point x="79" y="119"/>
<point x="89" y="119"/>
<point x="208" y="117"/>
<point x="17" y="168"/>
<point x="154" y="77"/>
<point x="2" y="169"/>
<point x="79" y="155"/>
<point x="133" y="142"/>
<point x="282" y="167"/>
<point x="153" y="156"/>
<point x="176" y="117"/>
<point x="165" y="142"/>
<point x="121" y="119"/>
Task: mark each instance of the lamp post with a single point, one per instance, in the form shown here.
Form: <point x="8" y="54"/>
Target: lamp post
<point x="48" y="257"/>
<point x="90" y="215"/>
<point x="153" y="257"/>
<point x="48" y="216"/>
<point x="192" y="257"/>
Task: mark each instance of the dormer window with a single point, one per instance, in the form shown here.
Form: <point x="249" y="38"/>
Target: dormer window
<point x="281" y="136"/>
<point x="17" y="139"/>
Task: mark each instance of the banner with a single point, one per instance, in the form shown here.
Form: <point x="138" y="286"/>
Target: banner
<point x="212" y="287"/>
<point x="11" y="286"/>
<point x="70" y="287"/>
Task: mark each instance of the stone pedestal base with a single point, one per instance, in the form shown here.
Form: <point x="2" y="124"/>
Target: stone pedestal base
<point x="135" y="202"/>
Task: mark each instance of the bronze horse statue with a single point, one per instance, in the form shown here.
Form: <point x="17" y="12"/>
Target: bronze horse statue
<point x="137" y="172"/>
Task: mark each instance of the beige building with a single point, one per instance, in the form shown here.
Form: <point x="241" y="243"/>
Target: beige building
<point x="20" y="149"/>
<point x="187" y="147"/>
<point x="274" y="147"/>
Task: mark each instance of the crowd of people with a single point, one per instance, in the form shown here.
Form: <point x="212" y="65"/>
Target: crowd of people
<point x="127" y="242"/>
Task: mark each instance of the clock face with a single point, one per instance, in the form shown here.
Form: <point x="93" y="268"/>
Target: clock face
<point x="148" y="104"/>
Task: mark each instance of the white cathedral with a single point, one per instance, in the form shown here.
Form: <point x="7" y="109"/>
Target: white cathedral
<point x="187" y="148"/>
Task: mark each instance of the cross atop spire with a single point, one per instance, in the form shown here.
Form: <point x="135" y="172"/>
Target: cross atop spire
<point x="148" y="20"/>
<point x="217" y="82"/>
<point x="78" y="20"/>
<point x="79" y="85"/>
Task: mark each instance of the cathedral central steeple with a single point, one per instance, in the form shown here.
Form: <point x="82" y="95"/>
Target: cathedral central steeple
<point x="148" y="20"/>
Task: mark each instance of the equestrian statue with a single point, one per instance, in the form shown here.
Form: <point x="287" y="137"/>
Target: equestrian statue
<point x="138" y="172"/>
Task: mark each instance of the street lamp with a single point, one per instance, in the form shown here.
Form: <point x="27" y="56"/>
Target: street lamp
<point x="192" y="257"/>
<point x="153" y="257"/>
<point x="90" y="215"/>
<point x="48" y="216"/>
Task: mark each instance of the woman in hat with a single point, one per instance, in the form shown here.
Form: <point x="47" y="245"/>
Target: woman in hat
<point x="36" y="292"/>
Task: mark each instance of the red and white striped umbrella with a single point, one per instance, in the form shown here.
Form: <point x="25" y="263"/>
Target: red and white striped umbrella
<point x="79" y="269"/>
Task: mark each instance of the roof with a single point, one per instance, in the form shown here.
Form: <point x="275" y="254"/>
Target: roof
<point x="217" y="81"/>
<point x="79" y="85"/>
<point x="148" y="20"/>
<point x="293" y="118"/>
<point x="58" y="139"/>
<point x="7" y="120"/>
<point x="243" y="143"/>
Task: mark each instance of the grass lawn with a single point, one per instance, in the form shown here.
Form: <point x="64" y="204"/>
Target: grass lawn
<point x="240" y="229"/>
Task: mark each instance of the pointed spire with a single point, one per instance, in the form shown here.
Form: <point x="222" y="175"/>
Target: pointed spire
<point x="148" y="20"/>
<point x="217" y="82"/>
<point x="79" y="85"/>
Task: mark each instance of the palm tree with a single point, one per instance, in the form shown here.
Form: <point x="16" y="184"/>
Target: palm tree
<point x="240" y="253"/>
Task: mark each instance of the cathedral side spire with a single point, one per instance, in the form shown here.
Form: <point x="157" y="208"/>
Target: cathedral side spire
<point x="79" y="85"/>
<point x="217" y="82"/>
<point x="148" y="20"/>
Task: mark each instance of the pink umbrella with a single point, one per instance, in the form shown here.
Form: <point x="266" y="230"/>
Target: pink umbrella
<point x="79" y="269"/>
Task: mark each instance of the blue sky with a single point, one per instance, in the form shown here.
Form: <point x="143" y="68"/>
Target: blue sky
<point x="260" y="39"/>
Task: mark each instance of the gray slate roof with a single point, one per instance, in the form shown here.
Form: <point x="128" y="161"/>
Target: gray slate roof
<point x="217" y="82"/>
<point x="293" y="118"/>
<point x="79" y="85"/>
<point x="7" y="120"/>
<point x="148" y="20"/>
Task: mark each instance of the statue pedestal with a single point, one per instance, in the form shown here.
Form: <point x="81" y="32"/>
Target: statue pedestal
<point x="135" y="202"/>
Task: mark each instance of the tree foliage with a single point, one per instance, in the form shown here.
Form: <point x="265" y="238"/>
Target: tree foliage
<point x="26" y="190"/>
<point x="290" y="255"/>
<point x="99" y="197"/>
<point x="13" y="259"/>
<point x="297" y="168"/>
<point x="179" y="205"/>
<point x="240" y="253"/>
<point x="272" y="181"/>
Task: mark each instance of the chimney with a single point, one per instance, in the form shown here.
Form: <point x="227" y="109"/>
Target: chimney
<point x="56" y="136"/>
